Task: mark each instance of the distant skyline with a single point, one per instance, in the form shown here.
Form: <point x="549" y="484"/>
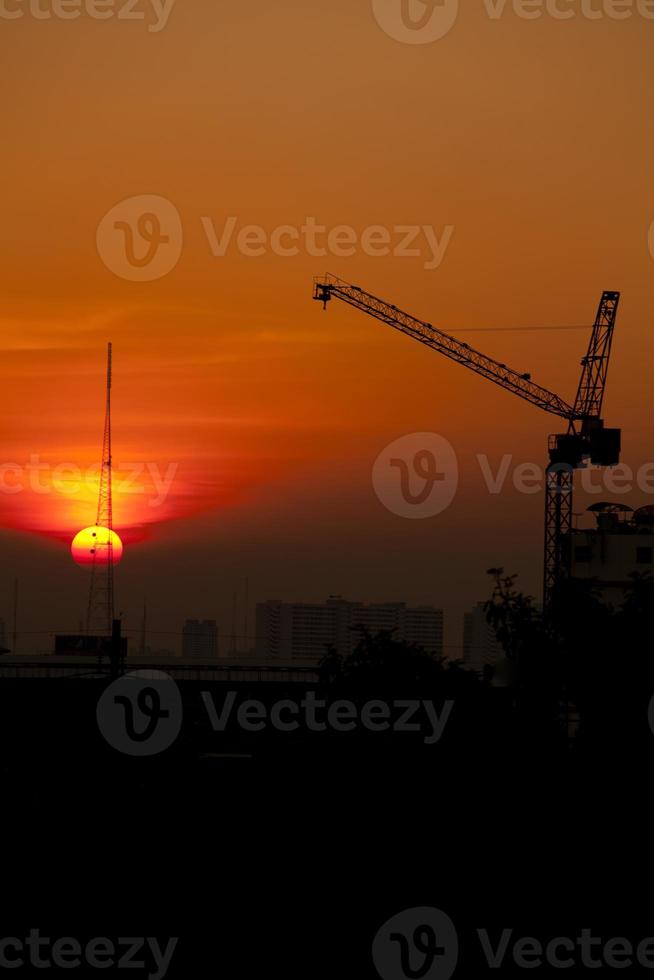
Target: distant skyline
<point x="251" y="418"/>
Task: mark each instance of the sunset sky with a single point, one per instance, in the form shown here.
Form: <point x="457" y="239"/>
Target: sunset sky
<point x="530" y="140"/>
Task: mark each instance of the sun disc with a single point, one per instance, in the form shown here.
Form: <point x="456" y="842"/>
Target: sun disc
<point x="96" y="545"/>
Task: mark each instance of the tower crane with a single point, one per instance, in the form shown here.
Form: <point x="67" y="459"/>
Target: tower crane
<point x="585" y="438"/>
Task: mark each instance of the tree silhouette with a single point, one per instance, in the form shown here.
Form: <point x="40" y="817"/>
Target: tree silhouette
<point x="585" y="657"/>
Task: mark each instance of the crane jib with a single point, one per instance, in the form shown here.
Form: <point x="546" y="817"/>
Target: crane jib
<point x="500" y="374"/>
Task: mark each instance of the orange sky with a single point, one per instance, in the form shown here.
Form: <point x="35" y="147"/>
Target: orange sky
<point x="532" y="139"/>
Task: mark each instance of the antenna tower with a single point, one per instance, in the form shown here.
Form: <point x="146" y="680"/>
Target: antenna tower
<point x="100" y="613"/>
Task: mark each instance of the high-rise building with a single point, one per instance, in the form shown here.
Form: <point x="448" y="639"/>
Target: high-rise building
<point x="4" y="645"/>
<point x="306" y="631"/>
<point x="481" y="647"/>
<point x="200" y="639"/>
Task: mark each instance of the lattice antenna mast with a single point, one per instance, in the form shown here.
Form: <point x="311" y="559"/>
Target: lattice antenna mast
<point x="101" y="593"/>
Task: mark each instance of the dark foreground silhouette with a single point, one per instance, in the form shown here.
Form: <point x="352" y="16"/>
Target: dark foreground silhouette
<point x="493" y="794"/>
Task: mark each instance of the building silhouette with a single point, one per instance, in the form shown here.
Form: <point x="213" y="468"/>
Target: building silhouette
<point x="481" y="648"/>
<point x="305" y="631"/>
<point x="620" y="545"/>
<point x="200" y="639"/>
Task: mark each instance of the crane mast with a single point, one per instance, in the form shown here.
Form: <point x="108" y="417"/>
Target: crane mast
<point x="585" y="437"/>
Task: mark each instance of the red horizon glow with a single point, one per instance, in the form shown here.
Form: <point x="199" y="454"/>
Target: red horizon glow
<point x="55" y="501"/>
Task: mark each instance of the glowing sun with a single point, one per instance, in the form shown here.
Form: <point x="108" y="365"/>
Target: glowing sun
<point x="92" y="545"/>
